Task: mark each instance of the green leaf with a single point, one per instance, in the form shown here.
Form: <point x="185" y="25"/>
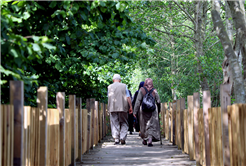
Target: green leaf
<point x="52" y="4"/>
<point x="26" y="15"/>
<point x="14" y="53"/>
<point x="49" y="46"/>
<point x="115" y="55"/>
<point x="36" y="47"/>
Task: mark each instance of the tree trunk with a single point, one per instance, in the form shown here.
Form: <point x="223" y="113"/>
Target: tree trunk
<point x="238" y="15"/>
<point x="235" y="69"/>
<point x="201" y="18"/>
<point x="173" y="59"/>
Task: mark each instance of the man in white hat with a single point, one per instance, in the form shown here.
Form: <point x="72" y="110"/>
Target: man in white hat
<point x="119" y="103"/>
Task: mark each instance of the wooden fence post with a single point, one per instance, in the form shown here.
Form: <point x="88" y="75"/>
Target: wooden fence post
<point x="68" y="137"/>
<point x="92" y="106"/>
<point x="72" y="106"/>
<point x="196" y="101"/>
<point x="191" y="127"/>
<point x="174" y="106"/>
<point x="7" y="134"/>
<point x="225" y="100"/>
<point x="171" y="122"/>
<point x="182" y="108"/>
<point x="206" y="100"/>
<point x="53" y="137"/>
<point x="42" y="101"/>
<point x="79" y="107"/>
<point x="60" y="105"/>
<point x="166" y="121"/>
<point x="104" y="120"/>
<point x="178" y="125"/>
<point x="89" y="123"/>
<point x="96" y="123"/>
<point x="1" y="132"/>
<point x="101" y="122"/>
<point x="84" y="130"/>
<point x="17" y="100"/>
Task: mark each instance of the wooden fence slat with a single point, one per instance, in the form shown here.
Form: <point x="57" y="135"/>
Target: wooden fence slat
<point x="229" y="110"/>
<point x="11" y="107"/>
<point x="89" y="124"/>
<point x="27" y="111"/>
<point x="79" y="107"/>
<point x="182" y="108"/>
<point x="178" y="125"/>
<point x="53" y="137"/>
<point x="92" y="124"/>
<point x="42" y="102"/>
<point x="166" y="121"/>
<point x="206" y="100"/>
<point x="174" y="107"/>
<point x="76" y="138"/>
<point x="213" y="162"/>
<point x="84" y="130"/>
<point x="201" y="139"/>
<point x="186" y="134"/>
<point x="219" y="141"/>
<point x="196" y="101"/>
<point x="33" y="136"/>
<point x="239" y="133"/>
<point x="68" y="137"/>
<point x="72" y="109"/>
<point x="171" y="124"/>
<point x="96" y="123"/>
<point x="104" y="120"/>
<point x="225" y="100"/>
<point x="243" y="134"/>
<point x="37" y="135"/>
<point x="6" y="137"/>
<point x="17" y="100"/>
<point x="1" y="132"/>
<point x="101" y="122"/>
<point x="60" y="104"/>
<point x="191" y="127"/>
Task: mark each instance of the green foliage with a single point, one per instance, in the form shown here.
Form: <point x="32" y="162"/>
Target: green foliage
<point x="69" y="46"/>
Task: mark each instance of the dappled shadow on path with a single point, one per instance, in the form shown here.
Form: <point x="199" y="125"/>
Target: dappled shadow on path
<point x="135" y="153"/>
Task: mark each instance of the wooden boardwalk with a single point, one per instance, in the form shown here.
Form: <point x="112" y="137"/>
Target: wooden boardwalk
<point x="135" y="153"/>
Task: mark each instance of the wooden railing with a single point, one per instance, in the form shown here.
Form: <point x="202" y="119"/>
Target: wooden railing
<point x="42" y="136"/>
<point x="224" y="129"/>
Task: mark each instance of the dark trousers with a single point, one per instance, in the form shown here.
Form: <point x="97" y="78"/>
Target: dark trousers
<point x="130" y="122"/>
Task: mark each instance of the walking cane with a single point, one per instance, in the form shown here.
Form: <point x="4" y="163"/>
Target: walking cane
<point x="160" y="128"/>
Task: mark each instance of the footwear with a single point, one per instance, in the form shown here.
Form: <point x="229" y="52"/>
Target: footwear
<point x="130" y="132"/>
<point x="116" y="143"/>
<point x="122" y="142"/>
<point x="144" y="142"/>
<point x="150" y="144"/>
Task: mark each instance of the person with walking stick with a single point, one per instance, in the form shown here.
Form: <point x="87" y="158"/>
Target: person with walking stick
<point x="148" y="103"/>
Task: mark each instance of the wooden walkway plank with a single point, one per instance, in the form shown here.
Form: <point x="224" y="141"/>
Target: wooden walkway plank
<point x="135" y="153"/>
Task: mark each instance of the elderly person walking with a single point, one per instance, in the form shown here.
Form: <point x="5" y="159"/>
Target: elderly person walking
<point x="119" y="103"/>
<point x="149" y="121"/>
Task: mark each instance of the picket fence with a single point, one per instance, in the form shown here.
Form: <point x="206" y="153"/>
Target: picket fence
<point x="43" y="136"/>
<point x="211" y="136"/>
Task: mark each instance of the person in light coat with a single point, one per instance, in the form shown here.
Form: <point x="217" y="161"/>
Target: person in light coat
<point x="119" y="104"/>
